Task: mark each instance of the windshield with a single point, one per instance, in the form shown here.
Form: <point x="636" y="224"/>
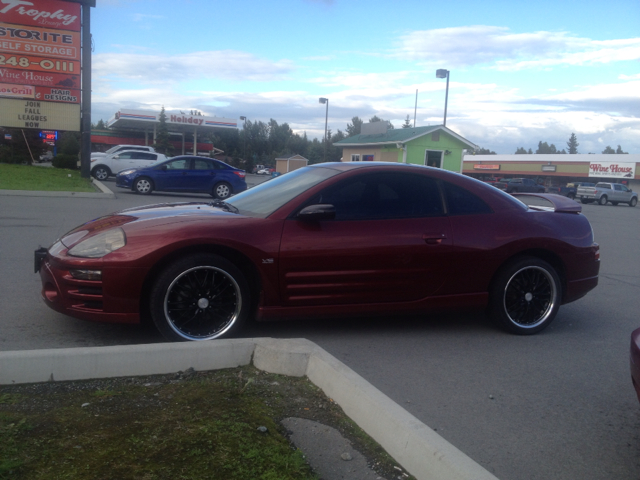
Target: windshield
<point x="264" y="199"/>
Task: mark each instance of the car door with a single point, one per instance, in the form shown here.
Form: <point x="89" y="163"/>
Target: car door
<point x="172" y="175"/>
<point x="390" y="242"/>
<point x="202" y="175"/>
<point x="120" y="161"/>
<point x="140" y="159"/>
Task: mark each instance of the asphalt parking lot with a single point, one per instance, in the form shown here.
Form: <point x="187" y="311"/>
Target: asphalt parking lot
<point x="558" y="405"/>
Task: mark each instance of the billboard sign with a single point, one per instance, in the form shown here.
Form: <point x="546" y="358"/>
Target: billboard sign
<point x="48" y="79"/>
<point x="20" y="113"/>
<point x="40" y="53"/>
<point x="612" y="169"/>
<point x="39" y="41"/>
<point x="41" y="13"/>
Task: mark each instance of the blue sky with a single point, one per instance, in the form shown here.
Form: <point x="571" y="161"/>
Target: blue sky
<point x="521" y="72"/>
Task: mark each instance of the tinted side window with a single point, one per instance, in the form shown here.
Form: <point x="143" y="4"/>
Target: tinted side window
<point x="146" y="156"/>
<point x="201" y="164"/>
<point x="384" y="196"/>
<point x="462" y="202"/>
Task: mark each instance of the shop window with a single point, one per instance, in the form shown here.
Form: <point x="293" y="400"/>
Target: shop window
<point x="355" y="157"/>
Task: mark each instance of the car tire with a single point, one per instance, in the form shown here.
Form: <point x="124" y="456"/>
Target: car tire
<point x="525" y="296"/>
<point x="221" y="190"/>
<point x="143" y="186"/>
<point x="633" y="202"/>
<point x="101" y="172"/>
<point x="603" y="200"/>
<point x="200" y="297"/>
<point x="571" y="196"/>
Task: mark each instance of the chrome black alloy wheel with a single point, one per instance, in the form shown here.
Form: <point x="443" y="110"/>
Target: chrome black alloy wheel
<point x="201" y="298"/>
<point x="526" y="296"/>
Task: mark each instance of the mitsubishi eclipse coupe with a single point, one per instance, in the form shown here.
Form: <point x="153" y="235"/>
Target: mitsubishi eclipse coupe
<point x="333" y="239"/>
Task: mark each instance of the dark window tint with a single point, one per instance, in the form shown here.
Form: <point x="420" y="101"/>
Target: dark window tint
<point x="384" y="196"/>
<point x="146" y="156"/>
<point x="201" y="164"/>
<point x="462" y="202"/>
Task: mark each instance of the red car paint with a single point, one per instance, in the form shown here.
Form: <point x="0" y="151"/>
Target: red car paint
<point x="328" y="268"/>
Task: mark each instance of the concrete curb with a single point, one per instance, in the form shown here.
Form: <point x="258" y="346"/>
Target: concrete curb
<point x="414" y="445"/>
<point x="104" y="193"/>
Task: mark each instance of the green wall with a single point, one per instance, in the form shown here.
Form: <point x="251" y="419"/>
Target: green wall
<point x="416" y="150"/>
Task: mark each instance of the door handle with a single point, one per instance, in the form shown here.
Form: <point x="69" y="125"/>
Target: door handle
<point x="433" y="238"/>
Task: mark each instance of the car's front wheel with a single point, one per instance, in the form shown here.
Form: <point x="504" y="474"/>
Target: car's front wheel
<point x="200" y="297"/>
<point x="143" y="186"/>
<point x="221" y="190"/>
<point x="525" y="296"/>
<point x="603" y="200"/>
<point x="633" y="202"/>
<point x="101" y="172"/>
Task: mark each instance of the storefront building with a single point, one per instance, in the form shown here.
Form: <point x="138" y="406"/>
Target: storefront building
<point x="556" y="170"/>
<point x="434" y="146"/>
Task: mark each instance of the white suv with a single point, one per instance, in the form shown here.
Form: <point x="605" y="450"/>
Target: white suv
<point x="119" y="148"/>
<point x="103" y="167"/>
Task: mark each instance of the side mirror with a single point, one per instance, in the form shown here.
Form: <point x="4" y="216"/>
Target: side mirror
<point x="315" y="213"/>
<point x="116" y="157"/>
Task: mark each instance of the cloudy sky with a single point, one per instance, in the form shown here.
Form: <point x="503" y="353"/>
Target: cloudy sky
<point x="521" y="71"/>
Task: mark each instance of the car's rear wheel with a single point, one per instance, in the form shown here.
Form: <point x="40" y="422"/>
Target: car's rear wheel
<point x="571" y="196"/>
<point x="525" y="296"/>
<point x="221" y="190"/>
<point x="633" y="202"/>
<point x="101" y="172"/>
<point x="603" y="200"/>
<point x="201" y="297"/>
<point x="143" y="186"/>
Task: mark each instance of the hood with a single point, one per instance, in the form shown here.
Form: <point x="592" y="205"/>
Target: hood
<point x="178" y="211"/>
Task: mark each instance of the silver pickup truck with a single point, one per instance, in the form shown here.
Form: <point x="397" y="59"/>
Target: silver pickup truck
<point x="605" y="192"/>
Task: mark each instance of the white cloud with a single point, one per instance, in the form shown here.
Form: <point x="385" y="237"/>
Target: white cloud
<point x="224" y="64"/>
<point x="488" y="45"/>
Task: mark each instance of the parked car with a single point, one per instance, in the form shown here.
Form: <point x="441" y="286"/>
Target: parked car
<point x="568" y="191"/>
<point x="634" y="360"/>
<point x="333" y="239"/>
<point x="185" y="174"/>
<point x="580" y="184"/>
<point x="519" y="185"/>
<point x="119" y="148"/>
<point x="103" y="167"/>
<point x="605" y="192"/>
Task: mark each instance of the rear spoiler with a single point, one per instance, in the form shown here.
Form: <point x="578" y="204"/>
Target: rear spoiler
<point x="549" y="201"/>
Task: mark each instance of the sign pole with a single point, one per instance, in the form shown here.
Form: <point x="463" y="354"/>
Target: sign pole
<point x="85" y="127"/>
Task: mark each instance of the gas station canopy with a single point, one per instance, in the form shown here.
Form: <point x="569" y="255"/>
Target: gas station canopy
<point x="177" y="123"/>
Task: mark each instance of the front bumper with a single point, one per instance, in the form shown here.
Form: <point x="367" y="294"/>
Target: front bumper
<point x="113" y="299"/>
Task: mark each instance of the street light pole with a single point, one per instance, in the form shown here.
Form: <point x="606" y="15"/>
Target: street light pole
<point x="244" y="136"/>
<point x="442" y="73"/>
<point x="326" y="120"/>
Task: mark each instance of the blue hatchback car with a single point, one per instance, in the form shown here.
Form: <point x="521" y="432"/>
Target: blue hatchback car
<point x="185" y="174"/>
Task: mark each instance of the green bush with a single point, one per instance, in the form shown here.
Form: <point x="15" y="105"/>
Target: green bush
<point x="65" y="161"/>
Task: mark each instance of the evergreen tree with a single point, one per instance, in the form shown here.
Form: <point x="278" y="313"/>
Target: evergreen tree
<point x="521" y="151"/>
<point x="163" y="143"/>
<point x="354" y="127"/>
<point x="407" y="123"/>
<point x="573" y="144"/>
<point x="620" y="152"/>
<point x="608" y="150"/>
<point x="544" y="148"/>
<point x="484" y="151"/>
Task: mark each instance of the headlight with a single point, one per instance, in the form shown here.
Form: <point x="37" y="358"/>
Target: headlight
<point x="100" y="244"/>
<point x="126" y="172"/>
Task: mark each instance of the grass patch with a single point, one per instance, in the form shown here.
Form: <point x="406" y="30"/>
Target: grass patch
<point x="27" y="177"/>
<point x="203" y="425"/>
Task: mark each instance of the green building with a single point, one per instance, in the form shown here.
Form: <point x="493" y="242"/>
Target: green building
<point x="434" y="146"/>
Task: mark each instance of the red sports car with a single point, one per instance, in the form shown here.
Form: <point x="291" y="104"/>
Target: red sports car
<point x="332" y="239"/>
